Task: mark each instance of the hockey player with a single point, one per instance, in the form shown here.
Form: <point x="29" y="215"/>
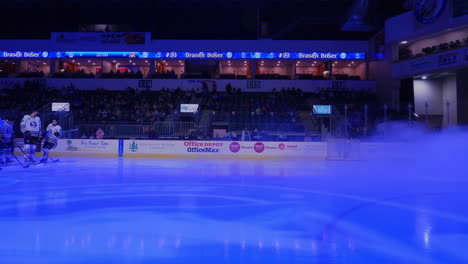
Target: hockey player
<point x="31" y="129"/>
<point x="52" y="134"/>
<point x="6" y="141"/>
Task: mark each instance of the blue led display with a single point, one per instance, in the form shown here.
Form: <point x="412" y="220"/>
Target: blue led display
<point x="185" y="55"/>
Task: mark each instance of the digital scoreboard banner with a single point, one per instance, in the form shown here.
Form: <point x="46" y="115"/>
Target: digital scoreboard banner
<point x="185" y="55"/>
<point x="189" y="108"/>
<point x="322" y="109"/>
<point x="60" y="107"/>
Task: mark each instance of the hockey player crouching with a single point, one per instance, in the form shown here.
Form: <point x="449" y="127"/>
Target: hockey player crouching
<point x="31" y="129"/>
<point x="52" y="134"/>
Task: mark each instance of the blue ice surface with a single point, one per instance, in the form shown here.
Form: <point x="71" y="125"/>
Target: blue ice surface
<point x="407" y="207"/>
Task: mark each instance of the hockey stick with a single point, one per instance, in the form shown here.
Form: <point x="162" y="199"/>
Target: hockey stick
<point x="52" y="159"/>
<point x="19" y="162"/>
<point x="16" y="158"/>
<point x="26" y="156"/>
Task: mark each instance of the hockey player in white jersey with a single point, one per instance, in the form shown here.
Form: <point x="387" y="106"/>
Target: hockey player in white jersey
<point x="31" y="129"/>
<point x="6" y="141"/>
<point x="52" y="135"/>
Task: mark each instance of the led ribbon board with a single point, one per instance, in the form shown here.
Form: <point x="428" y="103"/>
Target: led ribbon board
<point x="186" y="55"/>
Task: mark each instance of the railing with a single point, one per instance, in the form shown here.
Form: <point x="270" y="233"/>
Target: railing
<point x="63" y="116"/>
<point x="158" y="130"/>
<point x="362" y="120"/>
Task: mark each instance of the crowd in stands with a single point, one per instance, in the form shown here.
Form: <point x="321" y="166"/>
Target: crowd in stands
<point x="69" y="74"/>
<point x="164" y="75"/>
<point x="123" y="75"/>
<point x="37" y="74"/>
<point x="130" y="106"/>
<point x="272" y="76"/>
<point x="279" y="110"/>
<point x="342" y="96"/>
<point x="341" y="77"/>
<point x="232" y="76"/>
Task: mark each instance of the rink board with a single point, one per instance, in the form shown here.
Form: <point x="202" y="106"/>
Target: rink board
<point x="212" y="149"/>
<point x="223" y="148"/>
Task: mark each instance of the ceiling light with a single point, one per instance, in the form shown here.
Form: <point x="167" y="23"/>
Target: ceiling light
<point x="352" y="62"/>
<point x="349" y="65"/>
<point x="298" y="62"/>
<point x="404" y="42"/>
<point x="133" y="63"/>
<point x="130" y="61"/>
<point x="89" y="61"/>
<point x="73" y="60"/>
<point x="94" y="63"/>
<point x="424" y="77"/>
<point x="114" y="61"/>
<point x="279" y="61"/>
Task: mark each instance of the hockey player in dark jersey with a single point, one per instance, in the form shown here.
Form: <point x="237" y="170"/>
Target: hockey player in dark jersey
<point x="6" y="141"/>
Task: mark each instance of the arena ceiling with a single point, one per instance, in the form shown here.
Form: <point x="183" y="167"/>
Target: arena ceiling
<point x="203" y="19"/>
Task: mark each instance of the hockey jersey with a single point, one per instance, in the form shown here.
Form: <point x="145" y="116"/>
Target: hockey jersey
<point x="6" y="130"/>
<point x="50" y="133"/>
<point x="31" y="124"/>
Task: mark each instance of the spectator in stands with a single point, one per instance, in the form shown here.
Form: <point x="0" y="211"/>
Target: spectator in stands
<point x="307" y="138"/>
<point x="233" y="135"/>
<point x="192" y="136"/>
<point x="100" y="134"/>
<point x="218" y="137"/>
<point x="152" y="133"/>
<point x="264" y="135"/>
<point x="256" y="135"/>
<point x="245" y="135"/>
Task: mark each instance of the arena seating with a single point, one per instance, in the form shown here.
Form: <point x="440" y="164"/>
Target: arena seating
<point x="119" y="75"/>
<point x="278" y="111"/>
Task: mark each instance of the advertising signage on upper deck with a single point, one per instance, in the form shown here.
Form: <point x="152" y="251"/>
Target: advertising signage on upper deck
<point x="186" y="55"/>
<point x="24" y="54"/>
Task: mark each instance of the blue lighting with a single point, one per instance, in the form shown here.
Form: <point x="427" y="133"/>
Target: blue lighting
<point x="185" y="55"/>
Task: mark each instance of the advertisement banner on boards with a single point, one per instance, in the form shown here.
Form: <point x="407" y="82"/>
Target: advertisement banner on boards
<point x="230" y="148"/>
<point x="92" y="146"/>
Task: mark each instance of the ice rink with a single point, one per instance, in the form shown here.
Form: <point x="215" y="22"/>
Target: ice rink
<point x="147" y="210"/>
